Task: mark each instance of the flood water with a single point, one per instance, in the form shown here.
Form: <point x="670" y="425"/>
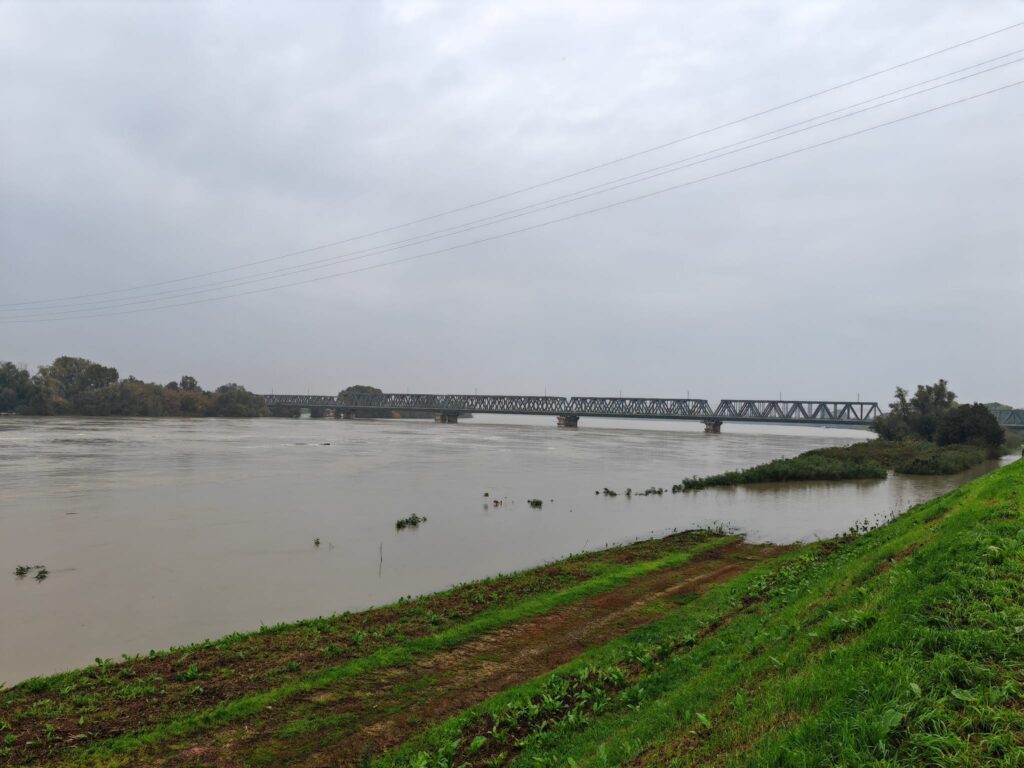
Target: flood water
<point x="159" y="532"/>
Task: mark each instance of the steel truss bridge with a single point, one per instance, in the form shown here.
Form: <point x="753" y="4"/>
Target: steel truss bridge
<point x="569" y="410"/>
<point x="1010" y="418"/>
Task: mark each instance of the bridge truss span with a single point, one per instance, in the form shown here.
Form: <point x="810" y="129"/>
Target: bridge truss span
<point x="568" y="411"/>
<point x="639" y="407"/>
<point x="798" y="411"/>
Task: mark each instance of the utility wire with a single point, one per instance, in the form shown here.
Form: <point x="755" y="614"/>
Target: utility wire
<point x="532" y="187"/>
<point x="599" y="189"/>
<point x="548" y="222"/>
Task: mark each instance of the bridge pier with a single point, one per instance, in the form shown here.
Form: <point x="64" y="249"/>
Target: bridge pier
<point x="568" y="420"/>
<point x="713" y="426"/>
<point x="446" y="417"/>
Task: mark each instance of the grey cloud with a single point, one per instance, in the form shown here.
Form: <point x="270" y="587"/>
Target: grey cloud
<point x="145" y="142"/>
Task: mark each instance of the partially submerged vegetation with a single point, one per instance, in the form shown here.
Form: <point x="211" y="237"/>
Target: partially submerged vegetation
<point x="869" y="460"/>
<point x="806" y="466"/>
<point x="22" y="571"/>
<point x="412" y="521"/>
<point x="899" y="646"/>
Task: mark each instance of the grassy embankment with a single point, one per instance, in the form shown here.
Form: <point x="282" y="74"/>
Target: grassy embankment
<point x="902" y="646"/>
<point x="861" y="461"/>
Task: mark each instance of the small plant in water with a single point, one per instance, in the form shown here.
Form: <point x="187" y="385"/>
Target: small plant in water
<point x="412" y="521"/>
<point x="22" y="571"/>
<point x="535" y="503"/>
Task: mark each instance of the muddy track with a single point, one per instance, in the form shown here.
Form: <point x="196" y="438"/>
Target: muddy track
<point x="378" y="711"/>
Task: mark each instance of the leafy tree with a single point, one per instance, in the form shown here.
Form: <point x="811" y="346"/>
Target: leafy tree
<point x="17" y="390"/>
<point x="74" y="385"/>
<point x="70" y="376"/>
<point x="917" y="416"/>
<point x="359" y="389"/>
<point x="235" y="400"/>
<point x="971" y="425"/>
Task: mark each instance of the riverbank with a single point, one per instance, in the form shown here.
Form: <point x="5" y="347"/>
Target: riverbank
<point x="697" y="649"/>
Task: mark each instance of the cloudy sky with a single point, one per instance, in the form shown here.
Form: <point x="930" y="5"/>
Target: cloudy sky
<point x="165" y="169"/>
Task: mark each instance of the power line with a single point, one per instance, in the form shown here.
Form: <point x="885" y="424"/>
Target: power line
<point x="532" y="187"/>
<point x="549" y="222"/>
<point x="604" y="188"/>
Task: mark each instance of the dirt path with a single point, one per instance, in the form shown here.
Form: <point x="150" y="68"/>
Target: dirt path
<point x="368" y="715"/>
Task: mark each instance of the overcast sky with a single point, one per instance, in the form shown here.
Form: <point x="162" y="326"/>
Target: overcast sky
<point x="142" y="143"/>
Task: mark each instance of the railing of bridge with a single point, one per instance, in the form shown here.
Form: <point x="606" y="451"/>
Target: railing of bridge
<point x="792" y="411"/>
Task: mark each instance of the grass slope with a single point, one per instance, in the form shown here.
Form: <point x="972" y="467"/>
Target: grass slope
<point x="900" y="647"/>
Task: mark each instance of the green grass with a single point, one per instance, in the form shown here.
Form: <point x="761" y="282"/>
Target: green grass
<point x="901" y="647"/>
<point x="861" y="461"/>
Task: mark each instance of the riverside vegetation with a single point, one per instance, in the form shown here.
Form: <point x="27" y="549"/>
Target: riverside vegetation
<point x="927" y="434"/>
<point x="76" y="386"/>
<point x="898" y="646"/>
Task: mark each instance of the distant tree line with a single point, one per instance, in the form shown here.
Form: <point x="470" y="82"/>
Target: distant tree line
<point x="76" y="386"/>
<point x="933" y="414"/>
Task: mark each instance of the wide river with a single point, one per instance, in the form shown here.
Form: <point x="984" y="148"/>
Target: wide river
<point x="159" y="532"/>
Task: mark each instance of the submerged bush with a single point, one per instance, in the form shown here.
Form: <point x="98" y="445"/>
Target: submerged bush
<point x="412" y="521"/>
<point x="807" y="466"/>
<point x="860" y="461"/>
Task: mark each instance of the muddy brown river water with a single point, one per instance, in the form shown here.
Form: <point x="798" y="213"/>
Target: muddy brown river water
<point x="159" y="532"/>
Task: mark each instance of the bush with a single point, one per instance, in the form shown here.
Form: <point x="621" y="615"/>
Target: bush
<point x="944" y="460"/>
<point x="860" y="461"/>
<point x="806" y="466"/>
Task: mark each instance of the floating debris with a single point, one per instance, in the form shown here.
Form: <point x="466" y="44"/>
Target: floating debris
<point x="316" y="542"/>
<point x="412" y="521"/>
<point x="535" y="503"/>
<point x="22" y="571"/>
